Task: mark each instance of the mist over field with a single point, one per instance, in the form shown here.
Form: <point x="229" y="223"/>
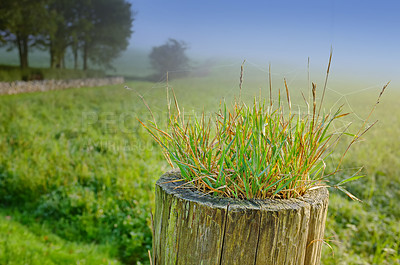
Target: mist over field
<point x="362" y="34"/>
<point x="77" y="168"/>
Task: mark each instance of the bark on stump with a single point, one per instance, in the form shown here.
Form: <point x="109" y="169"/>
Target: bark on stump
<point x="193" y="228"/>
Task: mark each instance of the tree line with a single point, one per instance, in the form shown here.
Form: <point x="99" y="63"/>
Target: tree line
<point x="94" y="30"/>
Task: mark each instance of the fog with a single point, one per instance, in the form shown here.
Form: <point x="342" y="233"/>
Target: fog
<point x="363" y="34"/>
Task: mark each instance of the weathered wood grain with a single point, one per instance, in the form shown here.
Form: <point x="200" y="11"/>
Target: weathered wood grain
<point x="283" y="233"/>
<point x="241" y="233"/>
<point x="318" y="200"/>
<point x="193" y="228"/>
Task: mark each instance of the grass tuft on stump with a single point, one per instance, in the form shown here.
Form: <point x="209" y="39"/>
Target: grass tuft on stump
<point x="259" y="150"/>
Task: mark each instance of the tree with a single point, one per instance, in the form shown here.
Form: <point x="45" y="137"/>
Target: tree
<point x="58" y="38"/>
<point x="169" y="57"/>
<point x="112" y="22"/>
<point x="68" y="25"/>
<point x="21" y="24"/>
<point x="81" y="26"/>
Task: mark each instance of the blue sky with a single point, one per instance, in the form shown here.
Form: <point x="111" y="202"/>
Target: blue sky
<point x="365" y="35"/>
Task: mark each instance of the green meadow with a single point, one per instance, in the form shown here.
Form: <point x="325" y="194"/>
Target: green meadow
<point x="77" y="170"/>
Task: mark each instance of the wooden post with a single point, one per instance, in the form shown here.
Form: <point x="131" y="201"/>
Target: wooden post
<point x="193" y="228"/>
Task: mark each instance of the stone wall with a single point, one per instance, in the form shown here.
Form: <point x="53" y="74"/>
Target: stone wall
<point x="47" y="85"/>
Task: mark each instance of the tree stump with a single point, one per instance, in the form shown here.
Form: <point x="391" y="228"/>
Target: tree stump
<point x="193" y="228"/>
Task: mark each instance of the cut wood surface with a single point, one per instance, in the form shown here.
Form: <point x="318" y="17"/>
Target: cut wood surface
<point x="194" y="228"/>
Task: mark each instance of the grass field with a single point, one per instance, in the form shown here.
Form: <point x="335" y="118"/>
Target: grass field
<point x="132" y="63"/>
<point x="77" y="172"/>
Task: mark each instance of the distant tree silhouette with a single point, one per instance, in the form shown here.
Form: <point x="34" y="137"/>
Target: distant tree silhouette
<point x="169" y="57"/>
